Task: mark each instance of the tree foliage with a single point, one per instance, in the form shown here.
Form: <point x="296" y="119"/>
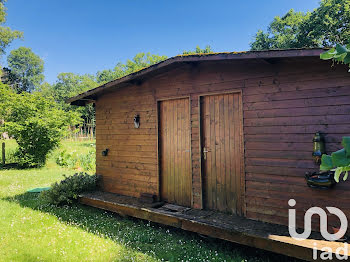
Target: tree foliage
<point x="69" y="85"/>
<point x="282" y="33"/>
<point x="7" y="35"/>
<point x="106" y="75"/>
<point x="35" y="122"/>
<point x="328" y="25"/>
<point x="140" y="61"/>
<point x="26" y="69"/>
<point x="325" y="26"/>
<point x="198" y="50"/>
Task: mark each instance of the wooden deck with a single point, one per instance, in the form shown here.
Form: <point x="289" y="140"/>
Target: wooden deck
<point x="236" y="229"/>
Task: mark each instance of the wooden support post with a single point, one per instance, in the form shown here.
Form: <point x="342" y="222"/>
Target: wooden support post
<point x="3" y="153"/>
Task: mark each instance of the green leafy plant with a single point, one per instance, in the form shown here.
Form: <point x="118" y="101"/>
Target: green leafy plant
<point x="68" y="190"/>
<point x="85" y="161"/>
<point x="338" y="161"/>
<point x="339" y="53"/>
<point x="66" y="159"/>
<point x="88" y="161"/>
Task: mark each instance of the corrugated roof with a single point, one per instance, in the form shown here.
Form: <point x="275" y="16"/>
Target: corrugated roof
<point x="92" y="94"/>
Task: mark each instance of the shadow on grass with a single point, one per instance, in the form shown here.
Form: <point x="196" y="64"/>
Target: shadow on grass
<point x="10" y="166"/>
<point x="161" y="242"/>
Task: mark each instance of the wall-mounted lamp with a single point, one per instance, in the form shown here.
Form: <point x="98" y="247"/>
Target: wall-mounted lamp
<point x="319" y="147"/>
<point x="137" y="121"/>
<point x="105" y="152"/>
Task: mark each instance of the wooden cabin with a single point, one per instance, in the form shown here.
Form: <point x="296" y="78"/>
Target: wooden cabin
<point x="229" y="133"/>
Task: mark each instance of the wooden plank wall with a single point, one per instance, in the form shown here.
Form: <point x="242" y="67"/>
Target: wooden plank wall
<point x="284" y="104"/>
<point x="130" y="168"/>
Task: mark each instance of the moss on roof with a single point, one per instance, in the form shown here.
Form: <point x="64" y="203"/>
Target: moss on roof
<point x="213" y="53"/>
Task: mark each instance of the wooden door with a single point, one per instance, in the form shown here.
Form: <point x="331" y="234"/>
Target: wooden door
<point x="175" y="153"/>
<point x="222" y="153"/>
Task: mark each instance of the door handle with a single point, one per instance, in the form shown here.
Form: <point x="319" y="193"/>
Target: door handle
<point x="205" y="151"/>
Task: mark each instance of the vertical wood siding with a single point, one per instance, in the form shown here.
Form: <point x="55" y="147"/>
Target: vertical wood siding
<point x="284" y="104"/>
<point x="175" y="151"/>
<point x="222" y="162"/>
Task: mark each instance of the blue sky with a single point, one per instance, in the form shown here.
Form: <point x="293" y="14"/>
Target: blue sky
<point x="85" y="36"/>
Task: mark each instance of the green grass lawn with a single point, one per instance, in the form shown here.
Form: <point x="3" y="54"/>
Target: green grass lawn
<point x="32" y="231"/>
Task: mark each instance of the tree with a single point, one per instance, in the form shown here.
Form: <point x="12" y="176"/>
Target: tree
<point x="68" y="85"/>
<point x="323" y="27"/>
<point x="198" y="50"/>
<point x="140" y="61"/>
<point x="7" y="77"/>
<point x="36" y="123"/>
<point x="27" y="69"/>
<point x="328" y="25"/>
<point x="281" y="33"/>
<point x="7" y="35"/>
<point x="105" y="76"/>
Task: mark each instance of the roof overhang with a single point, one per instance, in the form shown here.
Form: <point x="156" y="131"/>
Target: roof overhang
<point x="91" y="95"/>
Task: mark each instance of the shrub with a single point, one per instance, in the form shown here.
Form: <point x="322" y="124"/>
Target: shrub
<point x="36" y="123"/>
<point x="35" y="138"/>
<point x="68" y="190"/>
